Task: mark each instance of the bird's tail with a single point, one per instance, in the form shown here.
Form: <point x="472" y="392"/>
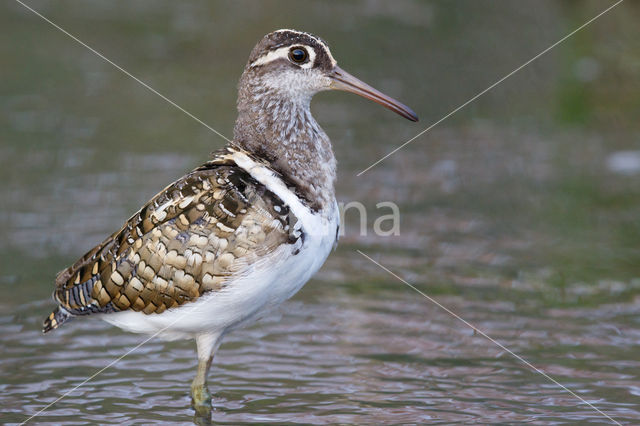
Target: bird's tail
<point x="55" y="319"/>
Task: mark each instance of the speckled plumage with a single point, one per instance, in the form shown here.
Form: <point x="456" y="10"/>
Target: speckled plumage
<point x="238" y="235"/>
<point x="275" y="121"/>
<point x="186" y="241"/>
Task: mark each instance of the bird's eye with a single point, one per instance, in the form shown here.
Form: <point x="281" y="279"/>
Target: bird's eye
<point x="298" y="55"/>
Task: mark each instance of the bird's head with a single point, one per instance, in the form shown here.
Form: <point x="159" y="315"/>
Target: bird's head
<point x="296" y="65"/>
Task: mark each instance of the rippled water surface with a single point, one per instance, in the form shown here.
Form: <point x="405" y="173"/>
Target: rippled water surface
<point x="520" y="214"/>
<point x="388" y="357"/>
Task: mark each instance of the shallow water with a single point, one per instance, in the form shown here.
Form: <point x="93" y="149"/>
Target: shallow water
<point x="520" y="214"/>
<point x="334" y="356"/>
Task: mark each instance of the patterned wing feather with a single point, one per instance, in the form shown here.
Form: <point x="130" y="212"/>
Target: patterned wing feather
<point x="191" y="238"/>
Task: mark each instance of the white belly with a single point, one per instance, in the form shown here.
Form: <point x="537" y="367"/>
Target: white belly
<point x="268" y="283"/>
<point x="264" y="285"/>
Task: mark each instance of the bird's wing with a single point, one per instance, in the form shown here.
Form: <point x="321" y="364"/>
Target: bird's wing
<point x="192" y="238"/>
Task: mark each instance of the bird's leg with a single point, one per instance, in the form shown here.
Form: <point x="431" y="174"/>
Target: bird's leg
<point x="200" y="396"/>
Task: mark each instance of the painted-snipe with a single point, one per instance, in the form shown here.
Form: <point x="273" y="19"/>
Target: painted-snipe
<point x="239" y="234"/>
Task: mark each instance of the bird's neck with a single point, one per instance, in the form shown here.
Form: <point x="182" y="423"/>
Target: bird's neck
<point x="283" y="132"/>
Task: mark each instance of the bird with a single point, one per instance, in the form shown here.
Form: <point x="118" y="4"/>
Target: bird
<point x="238" y="235"/>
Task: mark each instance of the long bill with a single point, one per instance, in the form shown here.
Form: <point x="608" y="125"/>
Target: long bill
<point x="342" y="80"/>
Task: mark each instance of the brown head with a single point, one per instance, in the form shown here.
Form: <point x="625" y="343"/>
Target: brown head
<point x="297" y="65"/>
<point x="285" y="69"/>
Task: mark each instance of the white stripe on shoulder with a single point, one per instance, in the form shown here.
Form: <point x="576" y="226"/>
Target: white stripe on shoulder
<point x="275" y="184"/>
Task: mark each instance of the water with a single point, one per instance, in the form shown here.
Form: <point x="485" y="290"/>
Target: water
<point x="520" y="214"/>
<point x="333" y="357"/>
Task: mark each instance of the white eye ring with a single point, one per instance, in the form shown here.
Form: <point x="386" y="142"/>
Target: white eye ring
<point x="298" y="55"/>
<point x="284" y="52"/>
<point x="311" y="57"/>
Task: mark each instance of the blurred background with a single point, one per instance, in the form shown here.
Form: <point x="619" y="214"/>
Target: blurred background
<point x="521" y="212"/>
